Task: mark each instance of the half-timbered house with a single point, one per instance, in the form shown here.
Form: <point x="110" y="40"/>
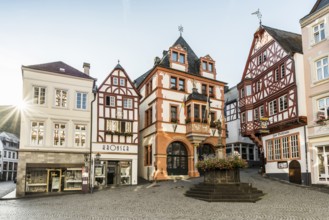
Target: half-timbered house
<point x="176" y="123"/>
<point x="315" y="32"/>
<point x="115" y="131"/>
<point x="235" y="143"/>
<point x="272" y="87"/>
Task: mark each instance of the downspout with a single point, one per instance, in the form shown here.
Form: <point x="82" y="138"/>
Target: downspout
<point x="94" y="91"/>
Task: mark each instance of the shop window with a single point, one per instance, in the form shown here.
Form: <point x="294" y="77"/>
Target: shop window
<point x="283" y="148"/>
<point x="36" y="180"/>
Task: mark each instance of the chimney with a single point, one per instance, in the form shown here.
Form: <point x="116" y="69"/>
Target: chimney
<point x="86" y="68"/>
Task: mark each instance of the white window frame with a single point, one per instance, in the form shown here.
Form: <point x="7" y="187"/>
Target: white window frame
<point x="269" y="147"/>
<point x="115" y="80"/>
<point x="282" y="100"/>
<point x="321" y="66"/>
<point x="60" y="132"/>
<point x="285" y="148"/>
<point x="79" y="135"/>
<point x="112" y="101"/>
<point x="37" y="100"/>
<point x="272" y="108"/>
<point x="61" y="100"/>
<point x="83" y="100"/>
<point x="38" y="141"/>
<point x="294" y="146"/>
<point x="128" y="103"/>
<point x="319" y="33"/>
<point x="122" y="81"/>
<point x="277" y="149"/>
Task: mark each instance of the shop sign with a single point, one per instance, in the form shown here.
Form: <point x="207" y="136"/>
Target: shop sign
<point x="282" y="165"/>
<point x="280" y="133"/>
<point x="117" y="148"/>
<point x="264" y="126"/>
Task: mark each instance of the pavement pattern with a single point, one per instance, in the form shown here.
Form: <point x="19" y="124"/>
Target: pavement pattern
<point x="166" y="200"/>
<point x="6" y="187"/>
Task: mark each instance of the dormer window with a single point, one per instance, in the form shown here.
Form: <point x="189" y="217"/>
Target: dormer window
<point x="210" y="67"/>
<point x="204" y="65"/>
<point x="207" y="66"/>
<point x="175" y="55"/>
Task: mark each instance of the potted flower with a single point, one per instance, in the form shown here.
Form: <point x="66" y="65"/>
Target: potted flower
<point x="221" y="170"/>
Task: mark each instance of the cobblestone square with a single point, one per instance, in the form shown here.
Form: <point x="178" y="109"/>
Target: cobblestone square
<point x="166" y="200"/>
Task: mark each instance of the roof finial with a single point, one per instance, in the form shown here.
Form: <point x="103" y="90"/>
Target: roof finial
<point x="118" y="61"/>
<point x="180" y="29"/>
<point x="259" y="15"/>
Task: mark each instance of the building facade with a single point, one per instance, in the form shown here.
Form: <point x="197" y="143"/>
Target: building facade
<point x="181" y="101"/>
<point x="271" y="102"/>
<point x="55" y="128"/>
<point x="315" y="32"/>
<point x="115" y="131"/>
<point x="235" y="143"/>
<point x="9" y="144"/>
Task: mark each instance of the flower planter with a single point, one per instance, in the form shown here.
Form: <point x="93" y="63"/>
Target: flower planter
<point x="222" y="176"/>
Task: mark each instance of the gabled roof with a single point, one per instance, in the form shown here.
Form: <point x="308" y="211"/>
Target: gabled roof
<point x="192" y="59"/>
<point x="319" y="4"/>
<point x="290" y="42"/>
<point x="61" y="68"/>
<point x="231" y="95"/>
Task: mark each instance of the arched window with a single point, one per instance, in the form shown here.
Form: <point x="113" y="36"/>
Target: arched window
<point x="177" y="159"/>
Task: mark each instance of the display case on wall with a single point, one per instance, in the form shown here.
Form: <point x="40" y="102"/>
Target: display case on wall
<point x="36" y="181"/>
<point x="73" y="179"/>
<point x="100" y="174"/>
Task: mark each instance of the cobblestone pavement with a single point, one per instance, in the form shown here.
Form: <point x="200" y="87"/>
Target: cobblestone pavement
<point x="166" y="201"/>
<point x="6" y="187"/>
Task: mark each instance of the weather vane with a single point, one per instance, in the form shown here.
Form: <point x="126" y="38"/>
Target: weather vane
<point x="180" y="29"/>
<point x="259" y="15"/>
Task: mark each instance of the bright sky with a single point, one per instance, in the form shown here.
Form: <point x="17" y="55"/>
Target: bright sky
<point x="133" y="31"/>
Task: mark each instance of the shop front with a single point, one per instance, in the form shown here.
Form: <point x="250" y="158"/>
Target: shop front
<point x="114" y="165"/>
<point x="44" y="178"/>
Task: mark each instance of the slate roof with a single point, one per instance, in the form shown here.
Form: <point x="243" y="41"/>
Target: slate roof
<point x="56" y="67"/>
<point x="195" y="95"/>
<point x="118" y="66"/>
<point x="6" y="136"/>
<point x="290" y="42"/>
<point x="231" y="95"/>
<point x="192" y="59"/>
<point x="319" y="5"/>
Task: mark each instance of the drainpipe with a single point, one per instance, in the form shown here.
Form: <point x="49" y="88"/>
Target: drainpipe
<point x="306" y="158"/>
<point x="94" y="91"/>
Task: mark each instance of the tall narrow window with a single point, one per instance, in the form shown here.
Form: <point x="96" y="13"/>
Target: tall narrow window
<point x="285" y="148"/>
<point x="59" y="134"/>
<point x="294" y="146"/>
<point x="211" y="91"/>
<point x="269" y="150"/>
<point x="182" y="58"/>
<point x="319" y="32"/>
<point x="212" y="119"/>
<point x="174" y="56"/>
<point x="196" y="113"/>
<point x="283" y="71"/>
<point x="204" y="65"/>
<point x="80" y="135"/>
<point x="277" y="150"/>
<point x="204" y="89"/>
<point x="122" y="82"/>
<point x="39" y="95"/>
<point x="322" y="68"/>
<point x="273" y="107"/>
<point x="261" y="111"/>
<point x="276" y="75"/>
<point x="256" y="115"/>
<point x="81" y="102"/>
<point x="189" y="112"/>
<point x="173" y="83"/>
<point x="264" y="56"/>
<point x="173" y="114"/>
<point x="115" y="80"/>
<point x="243" y="117"/>
<point x="283" y="100"/>
<point x="181" y="85"/>
<point x="37" y="133"/>
<point x="61" y="98"/>
<point x="148" y="155"/>
<point x="210" y="67"/>
<point x="242" y="92"/>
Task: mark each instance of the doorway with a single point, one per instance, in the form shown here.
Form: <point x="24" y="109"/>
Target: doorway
<point x="112" y="172"/>
<point x="323" y="163"/>
<point x="177" y="159"/>
<point x="295" y="174"/>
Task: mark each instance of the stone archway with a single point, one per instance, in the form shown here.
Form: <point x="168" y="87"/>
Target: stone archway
<point x="295" y="174"/>
<point x="177" y="163"/>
